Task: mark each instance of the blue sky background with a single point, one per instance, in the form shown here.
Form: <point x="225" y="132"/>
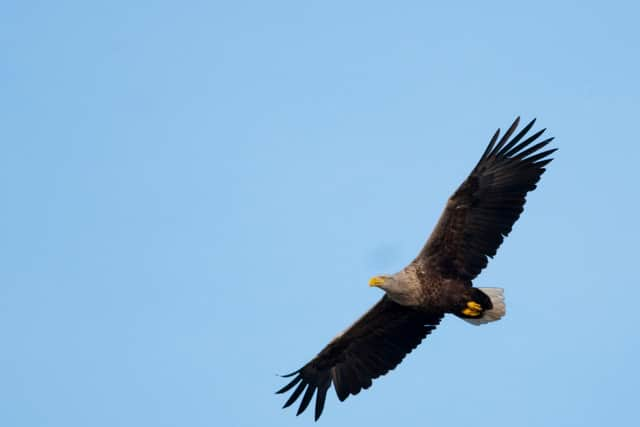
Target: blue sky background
<point x="194" y="195"/>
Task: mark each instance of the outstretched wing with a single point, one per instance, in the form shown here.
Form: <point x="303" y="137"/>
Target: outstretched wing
<point x="371" y="347"/>
<point x="483" y="209"/>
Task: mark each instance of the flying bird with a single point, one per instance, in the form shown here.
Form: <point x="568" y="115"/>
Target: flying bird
<point x="476" y="218"/>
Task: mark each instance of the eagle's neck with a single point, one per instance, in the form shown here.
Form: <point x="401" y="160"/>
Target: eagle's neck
<point x="405" y="288"/>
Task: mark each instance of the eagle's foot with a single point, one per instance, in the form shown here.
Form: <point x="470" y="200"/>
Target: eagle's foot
<point x="473" y="309"/>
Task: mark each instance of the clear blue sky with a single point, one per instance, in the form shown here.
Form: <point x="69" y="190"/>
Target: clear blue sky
<point x="194" y="195"/>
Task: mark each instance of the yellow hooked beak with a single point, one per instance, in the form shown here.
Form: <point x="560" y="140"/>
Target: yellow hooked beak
<point x="376" y="281"/>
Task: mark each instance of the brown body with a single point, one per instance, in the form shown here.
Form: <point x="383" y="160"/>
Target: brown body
<point x="447" y="295"/>
<point x="427" y="290"/>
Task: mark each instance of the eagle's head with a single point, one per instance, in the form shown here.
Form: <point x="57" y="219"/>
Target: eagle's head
<point x="398" y="287"/>
<point x="380" y="281"/>
<point x="392" y="285"/>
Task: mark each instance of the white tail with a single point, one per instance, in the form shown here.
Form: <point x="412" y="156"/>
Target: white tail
<point x="497" y="300"/>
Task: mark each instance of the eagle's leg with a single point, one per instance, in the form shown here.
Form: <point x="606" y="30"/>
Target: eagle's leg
<point x="472" y="304"/>
<point x="473" y="309"/>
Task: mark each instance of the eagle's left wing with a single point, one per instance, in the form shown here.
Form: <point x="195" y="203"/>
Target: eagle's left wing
<point x="371" y="347"/>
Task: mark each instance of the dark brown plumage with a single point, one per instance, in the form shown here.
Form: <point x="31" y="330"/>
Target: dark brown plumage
<point x="483" y="209"/>
<point x="477" y="217"/>
<point x="371" y="347"/>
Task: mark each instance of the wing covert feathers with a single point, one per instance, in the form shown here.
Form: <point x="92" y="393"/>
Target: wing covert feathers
<point x="371" y="347"/>
<point x="484" y="208"/>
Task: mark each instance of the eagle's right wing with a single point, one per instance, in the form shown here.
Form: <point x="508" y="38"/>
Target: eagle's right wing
<point x="483" y="209"/>
<point x="371" y="347"/>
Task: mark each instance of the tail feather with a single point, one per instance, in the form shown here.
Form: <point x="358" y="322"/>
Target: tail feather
<point x="497" y="300"/>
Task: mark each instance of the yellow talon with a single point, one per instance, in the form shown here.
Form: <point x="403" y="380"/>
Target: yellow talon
<point x="474" y="306"/>
<point x="473" y="309"/>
